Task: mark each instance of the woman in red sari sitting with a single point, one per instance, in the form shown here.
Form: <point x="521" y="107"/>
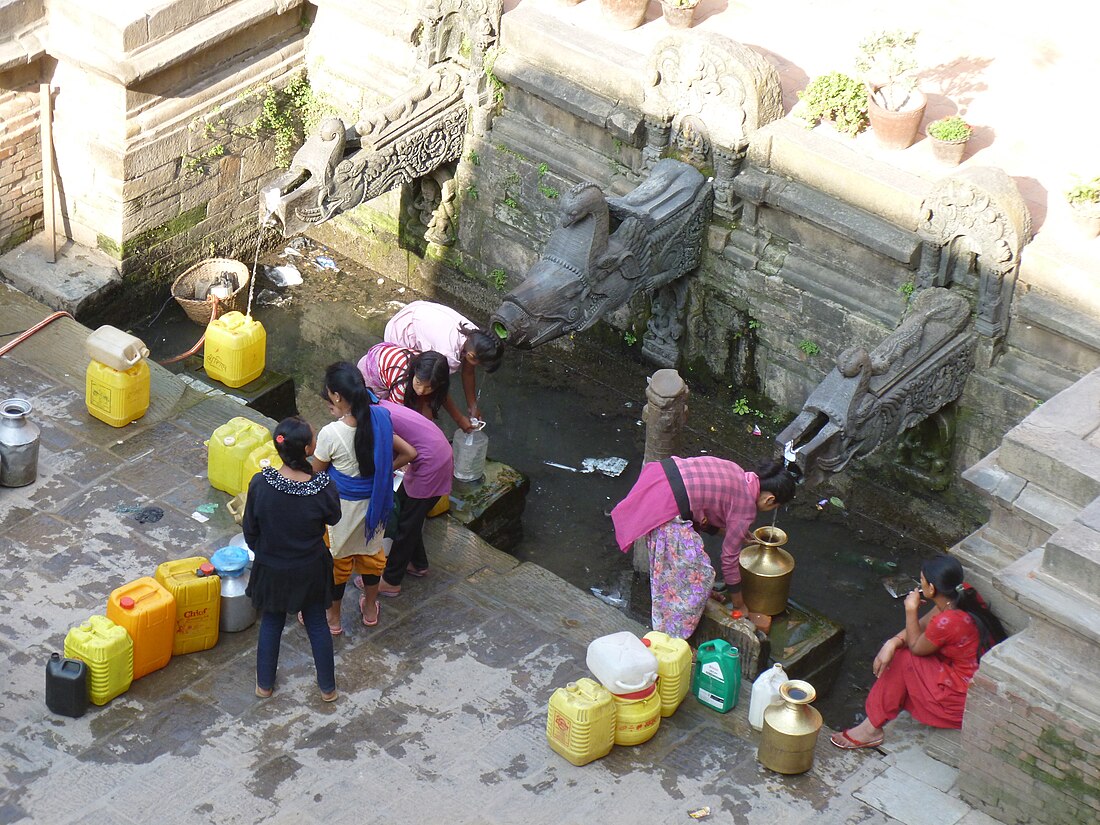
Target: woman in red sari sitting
<point x="927" y="667"/>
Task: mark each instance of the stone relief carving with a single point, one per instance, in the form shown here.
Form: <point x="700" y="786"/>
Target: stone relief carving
<point x="422" y="129"/>
<point x="871" y="397"/>
<point x="976" y="223"/>
<point x="604" y="251"/>
<point x="708" y="86"/>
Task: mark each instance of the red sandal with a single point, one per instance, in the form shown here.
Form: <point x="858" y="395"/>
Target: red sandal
<point x="844" y="741"/>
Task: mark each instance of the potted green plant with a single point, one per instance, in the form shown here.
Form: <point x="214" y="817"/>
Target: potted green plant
<point x="679" y="13"/>
<point x="948" y="136"/>
<point x="1084" y="201"/>
<point x="895" y="106"/>
<point x="837" y="98"/>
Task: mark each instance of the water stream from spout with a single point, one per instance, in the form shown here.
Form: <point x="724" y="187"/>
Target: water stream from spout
<point x="265" y="222"/>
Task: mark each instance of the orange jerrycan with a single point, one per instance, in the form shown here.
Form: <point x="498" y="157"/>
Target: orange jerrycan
<point x="235" y="350"/>
<point x="148" y="613"/>
<point x="108" y="652"/>
<point x="198" y="595"/>
<point x="580" y="721"/>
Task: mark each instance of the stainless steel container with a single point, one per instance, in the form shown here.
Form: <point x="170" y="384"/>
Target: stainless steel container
<point x="18" y="444"/>
<point x="237" y="612"/>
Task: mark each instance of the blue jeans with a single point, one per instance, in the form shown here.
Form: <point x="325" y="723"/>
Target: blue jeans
<point x="271" y="633"/>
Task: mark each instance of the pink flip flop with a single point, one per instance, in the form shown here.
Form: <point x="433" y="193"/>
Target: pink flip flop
<point x="377" y="612"/>
<point x="845" y="742"/>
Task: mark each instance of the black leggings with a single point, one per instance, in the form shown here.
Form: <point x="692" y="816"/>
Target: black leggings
<point x="408" y="538"/>
<point x="338" y="589"/>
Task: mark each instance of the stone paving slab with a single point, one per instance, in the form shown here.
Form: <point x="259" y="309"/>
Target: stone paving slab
<point x="442" y="710"/>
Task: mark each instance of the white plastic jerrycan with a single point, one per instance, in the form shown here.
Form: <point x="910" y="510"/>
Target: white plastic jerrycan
<point x="765" y="692"/>
<point x="622" y="663"/>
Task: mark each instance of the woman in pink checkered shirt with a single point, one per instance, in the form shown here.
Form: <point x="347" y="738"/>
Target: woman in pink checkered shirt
<point x="722" y="498"/>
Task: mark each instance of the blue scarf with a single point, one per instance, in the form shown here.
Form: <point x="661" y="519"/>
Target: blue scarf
<point x="357" y="488"/>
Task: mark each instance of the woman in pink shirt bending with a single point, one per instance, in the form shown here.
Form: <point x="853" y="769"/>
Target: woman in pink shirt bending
<point x="670" y="503"/>
<point x="425" y="325"/>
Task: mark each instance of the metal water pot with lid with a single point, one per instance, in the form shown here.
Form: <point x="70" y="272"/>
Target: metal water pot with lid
<point x="237" y="612"/>
<point x="18" y="444"/>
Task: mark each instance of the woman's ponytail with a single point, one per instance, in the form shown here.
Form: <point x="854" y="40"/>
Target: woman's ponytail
<point x="777" y="480"/>
<point x="292" y="436"/>
<point x="345" y="380"/>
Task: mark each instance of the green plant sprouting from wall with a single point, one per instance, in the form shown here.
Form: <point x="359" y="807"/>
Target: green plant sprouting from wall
<point x="499" y="278"/>
<point x="495" y="83"/>
<point x="630" y="338"/>
<point x="809" y="347"/>
<point x="544" y="188"/>
<point x="287" y="115"/>
<point x="907" y="289"/>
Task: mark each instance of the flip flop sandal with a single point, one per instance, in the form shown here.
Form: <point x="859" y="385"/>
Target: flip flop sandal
<point x="845" y="742"/>
<point x="377" y="612"/>
<point x="418" y="572"/>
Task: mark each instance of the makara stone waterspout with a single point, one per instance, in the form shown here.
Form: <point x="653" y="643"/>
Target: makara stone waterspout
<point x="606" y="250"/>
<point x="871" y="397"/>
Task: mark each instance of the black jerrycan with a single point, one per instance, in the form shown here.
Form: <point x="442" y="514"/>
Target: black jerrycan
<point x="66" y="686"/>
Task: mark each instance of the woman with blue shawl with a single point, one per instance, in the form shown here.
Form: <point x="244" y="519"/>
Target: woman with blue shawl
<point x="360" y="452"/>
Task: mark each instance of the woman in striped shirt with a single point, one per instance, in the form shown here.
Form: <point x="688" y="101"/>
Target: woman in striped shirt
<point x="420" y="380"/>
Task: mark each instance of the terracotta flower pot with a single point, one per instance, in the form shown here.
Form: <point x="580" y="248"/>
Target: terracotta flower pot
<point x="678" y="17"/>
<point x="896" y="130"/>
<point x="949" y="152"/>
<point x="1087" y="218"/>
<point x="624" y="14"/>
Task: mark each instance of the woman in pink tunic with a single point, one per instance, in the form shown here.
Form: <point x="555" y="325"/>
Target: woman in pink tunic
<point x="926" y="668"/>
<point x="720" y="497"/>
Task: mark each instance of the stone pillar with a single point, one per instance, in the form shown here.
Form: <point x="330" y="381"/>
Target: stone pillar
<point x="664" y="415"/>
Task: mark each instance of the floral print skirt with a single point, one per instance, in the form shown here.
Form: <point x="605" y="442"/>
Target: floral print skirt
<point x="680" y="577"/>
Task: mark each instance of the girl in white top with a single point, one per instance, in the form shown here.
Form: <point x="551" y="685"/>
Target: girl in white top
<point x="360" y="452"/>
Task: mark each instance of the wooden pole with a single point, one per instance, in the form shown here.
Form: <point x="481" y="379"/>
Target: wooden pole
<point x="45" y="117"/>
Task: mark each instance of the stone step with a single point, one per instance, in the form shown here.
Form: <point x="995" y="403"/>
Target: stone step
<point x="1035" y="377"/>
<point x="1058" y="461"/>
<point x="1027" y="585"/>
<point x="1072" y="556"/>
<point x="1056" y="332"/>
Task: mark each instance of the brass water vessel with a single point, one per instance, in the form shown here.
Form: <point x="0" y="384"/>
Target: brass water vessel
<point x="790" y="730"/>
<point x="766" y="570"/>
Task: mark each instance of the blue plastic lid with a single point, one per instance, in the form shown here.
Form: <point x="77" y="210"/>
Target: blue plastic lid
<point x="230" y="560"/>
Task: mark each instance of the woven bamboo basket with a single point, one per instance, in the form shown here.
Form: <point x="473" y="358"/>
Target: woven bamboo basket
<point x="183" y="289"/>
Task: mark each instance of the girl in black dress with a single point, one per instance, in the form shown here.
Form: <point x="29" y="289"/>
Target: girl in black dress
<point x="285" y="519"/>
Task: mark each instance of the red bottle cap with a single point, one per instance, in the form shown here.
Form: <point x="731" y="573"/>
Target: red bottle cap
<point x="126" y="603"/>
<point x="736" y="614"/>
<point x="207" y="568"/>
<point x="647" y="642"/>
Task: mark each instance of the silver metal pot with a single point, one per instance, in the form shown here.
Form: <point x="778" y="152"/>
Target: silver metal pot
<point x="18" y="444"/>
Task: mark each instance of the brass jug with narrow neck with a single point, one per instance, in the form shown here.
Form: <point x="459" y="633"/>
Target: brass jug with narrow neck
<point x="766" y="570"/>
<point x="790" y="730"/>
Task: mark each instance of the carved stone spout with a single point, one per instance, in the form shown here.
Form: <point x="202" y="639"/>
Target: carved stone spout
<point x="606" y="250"/>
<point x="871" y="397"/>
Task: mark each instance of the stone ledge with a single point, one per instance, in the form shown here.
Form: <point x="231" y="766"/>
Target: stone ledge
<point x="828" y="163"/>
<point x="21" y="50"/>
<point x="994" y="481"/>
<point x="1057" y="602"/>
<point x="143" y="59"/>
<point x="1073" y="556"/>
<point x="1063" y="464"/>
<point x="1040" y="508"/>
<point x="589" y="106"/>
<point x="577" y="55"/>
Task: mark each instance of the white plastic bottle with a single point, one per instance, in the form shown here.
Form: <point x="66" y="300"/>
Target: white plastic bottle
<point x="765" y="691"/>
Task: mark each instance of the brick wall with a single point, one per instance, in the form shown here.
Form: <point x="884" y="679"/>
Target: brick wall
<point x="20" y="157"/>
<point x="1031" y="751"/>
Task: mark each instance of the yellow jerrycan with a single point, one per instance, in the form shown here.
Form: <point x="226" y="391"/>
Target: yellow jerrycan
<point x="116" y="397"/>
<point x="198" y="594"/>
<point x="108" y="652"/>
<point x="229" y="450"/>
<point x="673" y="668"/>
<point x="580" y="721"/>
<point x="235" y="351"/>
